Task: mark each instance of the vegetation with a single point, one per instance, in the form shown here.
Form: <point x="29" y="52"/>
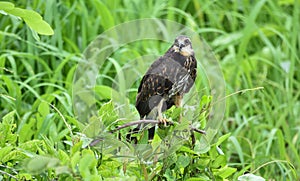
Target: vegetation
<point x="42" y="137"/>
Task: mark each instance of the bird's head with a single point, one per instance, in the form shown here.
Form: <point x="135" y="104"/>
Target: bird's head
<point x="183" y="45"/>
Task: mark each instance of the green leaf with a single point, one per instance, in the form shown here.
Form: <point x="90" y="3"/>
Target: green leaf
<point x="39" y="26"/>
<point x="108" y="114"/>
<point x="183" y="161"/>
<point x="104" y="92"/>
<point x="43" y="109"/>
<point x="33" y="19"/>
<point x="186" y="150"/>
<point x="225" y="172"/>
<point x="62" y="169"/>
<point x="107" y="20"/>
<point x="156" y="142"/>
<point x="32" y="15"/>
<point x="25" y="176"/>
<point x="9" y="118"/>
<point x="7" y="128"/>
<point x="38" y="164"/>
<point x="238" y="148"/>
<point x="205" y="100"/>
<point x="220" y="161"/>
<point x="63" y="157"/>
<point x="199" y="178"/>
<point x="109" y="168"/>
<point x="94" y="127"/>
<point x="35" y="35"/>
<point x="169" y="174"/>
<point x="17" y="12"/>
<point x="223" y="138"/>
<point x="6" y="5"/>
<point x="202" y="146"/>
<point x="281" y="144"/>
<point x="76" y="148"/>
<point x="171" y="159"/>
<point x="203" y="162"/>
<point x="143" y="137"/>
<point x="15" y="155"/>
<point x="4" y="151"/>
<point x="75" y="160"/>
<point x="32" y="145"/>
<point x="123" y="178"/>
<point x="174" y="112"/>
<point x="87" y="164"/>
<point x="26" y="131"/>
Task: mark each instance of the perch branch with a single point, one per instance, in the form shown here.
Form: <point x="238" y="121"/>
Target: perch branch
<point x="144" y="121"/>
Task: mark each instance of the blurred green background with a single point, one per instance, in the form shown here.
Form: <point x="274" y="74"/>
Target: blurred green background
<point x="256" y="42"/>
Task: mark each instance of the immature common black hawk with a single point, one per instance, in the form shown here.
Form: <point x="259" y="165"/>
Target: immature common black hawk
<point x="166" y="81"/>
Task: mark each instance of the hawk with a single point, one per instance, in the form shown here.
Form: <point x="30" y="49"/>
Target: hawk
<point x="166" y="81"/>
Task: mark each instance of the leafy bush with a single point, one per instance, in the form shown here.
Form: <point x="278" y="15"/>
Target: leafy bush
<point x="41" y="138"/>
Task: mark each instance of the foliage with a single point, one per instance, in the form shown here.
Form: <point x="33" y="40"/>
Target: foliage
<point x="257" y="43"/>
<point x="32" y="19"/>
<point x="42" y="158"/>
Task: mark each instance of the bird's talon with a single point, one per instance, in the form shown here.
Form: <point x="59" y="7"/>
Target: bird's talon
<point x="163" y="120"/>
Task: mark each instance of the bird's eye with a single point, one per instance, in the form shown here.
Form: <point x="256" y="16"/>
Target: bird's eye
<point x="186" y="41"/>
<point x="176" y="42"/>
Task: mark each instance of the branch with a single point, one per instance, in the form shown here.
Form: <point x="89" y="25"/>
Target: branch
<point x="144" y="121"/>
<point x="10" y="175"/>
<point x="198" y="130"/>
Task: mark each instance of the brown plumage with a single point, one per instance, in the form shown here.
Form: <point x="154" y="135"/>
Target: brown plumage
<point x="166" y="81"/>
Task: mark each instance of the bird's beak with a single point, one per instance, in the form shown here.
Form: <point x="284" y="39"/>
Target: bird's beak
<point x="180" y="46"/>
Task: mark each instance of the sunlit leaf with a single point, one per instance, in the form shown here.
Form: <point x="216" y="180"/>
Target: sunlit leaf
<point x="39" y="26"/>
<point x="6" y="5"/>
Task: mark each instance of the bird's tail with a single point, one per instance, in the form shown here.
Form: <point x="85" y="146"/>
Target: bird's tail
<point x="133" y="139"/>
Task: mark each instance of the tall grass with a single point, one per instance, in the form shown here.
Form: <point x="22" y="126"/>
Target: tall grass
<point x="257" y="43"/>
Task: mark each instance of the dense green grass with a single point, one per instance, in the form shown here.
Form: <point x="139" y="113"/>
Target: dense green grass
<point x="256" y="42"/>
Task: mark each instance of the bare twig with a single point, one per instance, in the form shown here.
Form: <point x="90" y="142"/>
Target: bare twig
<point x="144" y="121"/>
<point x="62" y="116"/>
<point x="237" y="92"/>
<point x="10" y="175"/>
<point x="198" y="130"/>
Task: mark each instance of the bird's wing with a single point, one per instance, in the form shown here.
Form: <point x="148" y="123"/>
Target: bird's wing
<point x="164" y="79"/>
<point x="153" y="87"/>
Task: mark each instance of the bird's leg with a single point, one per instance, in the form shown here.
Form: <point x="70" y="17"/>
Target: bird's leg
<point x="160" y="117"/>
<point x="178" y="100"/>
